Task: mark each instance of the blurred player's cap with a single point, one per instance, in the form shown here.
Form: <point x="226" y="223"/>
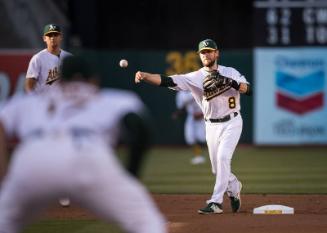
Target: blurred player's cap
<point x="207" y="44"/>
<point x="76" y="67"/>
<point x="51" y="28"/>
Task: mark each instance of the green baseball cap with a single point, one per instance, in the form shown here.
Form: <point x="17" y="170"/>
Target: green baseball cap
<point x="207" y="44"/>
<point x="51" y="28"/>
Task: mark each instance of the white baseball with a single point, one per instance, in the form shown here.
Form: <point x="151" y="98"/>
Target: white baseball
<point x="123" y="63"/>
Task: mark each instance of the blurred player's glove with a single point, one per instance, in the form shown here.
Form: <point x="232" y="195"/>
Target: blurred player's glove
<point x="215" y="84"/>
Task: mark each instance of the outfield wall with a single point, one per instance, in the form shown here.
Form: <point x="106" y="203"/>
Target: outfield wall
<point x="291" y="100"/>
<point x="160" y="101"/>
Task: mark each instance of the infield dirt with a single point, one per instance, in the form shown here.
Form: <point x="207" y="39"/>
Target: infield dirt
<point x="182" y="217"/>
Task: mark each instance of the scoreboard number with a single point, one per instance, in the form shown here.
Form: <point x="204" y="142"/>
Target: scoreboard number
<point x="290" y="23"/>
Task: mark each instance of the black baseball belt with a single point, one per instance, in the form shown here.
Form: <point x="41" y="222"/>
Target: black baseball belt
<point x="223" y="119"/>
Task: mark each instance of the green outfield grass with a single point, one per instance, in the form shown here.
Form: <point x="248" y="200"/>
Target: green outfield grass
<point x="72" y="226"/>
<point x="262" y="170"/>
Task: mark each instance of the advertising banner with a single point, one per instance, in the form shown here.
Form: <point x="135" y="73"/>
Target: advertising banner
<point x="290" y="95"/>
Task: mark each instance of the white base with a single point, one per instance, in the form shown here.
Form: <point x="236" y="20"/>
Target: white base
<point x="273" y="209"/>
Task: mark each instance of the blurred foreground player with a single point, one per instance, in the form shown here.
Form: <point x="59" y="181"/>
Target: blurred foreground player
<point x="64" y="152"/>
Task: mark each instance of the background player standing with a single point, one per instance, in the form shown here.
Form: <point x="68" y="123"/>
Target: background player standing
<point x="216" y="89"/>
<point x="194" y="127"/>
<point x="43" y="69"/>
<point x="64" y="151"/>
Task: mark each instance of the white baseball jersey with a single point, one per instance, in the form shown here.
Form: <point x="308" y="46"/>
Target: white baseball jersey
<point x="222" y="137"/>
<point x="63" y="152"/>
<point x="102" y="117"/>
<point x="227" y="102"/>
<point x="194" y="130"/>
<point x="44" y="66"/>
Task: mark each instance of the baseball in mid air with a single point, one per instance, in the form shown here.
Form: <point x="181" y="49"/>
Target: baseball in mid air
<point x="123" y="63"/>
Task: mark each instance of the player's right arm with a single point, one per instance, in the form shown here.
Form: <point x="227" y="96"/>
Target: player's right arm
<point x="30" y="84"/>
<point x="154" y="79"/>
<point x="32" y="74"/>
<point x="176" y="82"/>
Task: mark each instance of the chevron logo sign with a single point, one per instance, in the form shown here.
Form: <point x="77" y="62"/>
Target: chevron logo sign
<point x="300" y="94"/>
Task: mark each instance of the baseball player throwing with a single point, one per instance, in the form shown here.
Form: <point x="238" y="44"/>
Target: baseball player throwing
<point x="194" y="127"/>
<point x="216" y="89"/>
<point x="64" y="152"/>
<point x="43" y="69"/>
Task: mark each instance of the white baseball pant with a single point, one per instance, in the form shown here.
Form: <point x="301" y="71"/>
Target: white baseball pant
<point x="194" y="130"/>
<point x="222" y="139"/>
<point x="45" y="169"/>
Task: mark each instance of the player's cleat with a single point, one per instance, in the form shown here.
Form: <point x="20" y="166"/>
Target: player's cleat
<point x="198" y="160"/>
<point x="64" y="202"/>
<point x="235" y="201"/>
<point x="211" y="208"/>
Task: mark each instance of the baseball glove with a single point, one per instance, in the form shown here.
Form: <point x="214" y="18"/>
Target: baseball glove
<point x="215" y="84"/>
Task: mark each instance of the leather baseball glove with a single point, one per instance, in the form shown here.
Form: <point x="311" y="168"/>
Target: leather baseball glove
<point x="215" y="84"/>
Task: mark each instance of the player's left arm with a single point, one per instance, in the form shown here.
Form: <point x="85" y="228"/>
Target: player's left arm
<point x="245" y="88"/>
<point x="240" y="83"/>
<point x="32" y="74"/>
